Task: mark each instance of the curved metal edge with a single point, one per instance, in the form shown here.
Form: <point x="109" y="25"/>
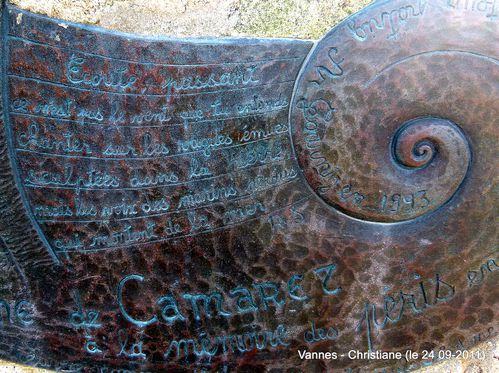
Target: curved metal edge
<point x="21" y="233"/>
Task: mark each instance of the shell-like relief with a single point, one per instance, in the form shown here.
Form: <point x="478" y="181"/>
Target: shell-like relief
<point x="389" y="122"/>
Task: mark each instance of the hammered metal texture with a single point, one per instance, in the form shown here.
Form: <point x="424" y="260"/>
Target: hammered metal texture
<point x="228" y="205"/>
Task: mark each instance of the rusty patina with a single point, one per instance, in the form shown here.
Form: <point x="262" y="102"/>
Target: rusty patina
<point x="230" y="205"/>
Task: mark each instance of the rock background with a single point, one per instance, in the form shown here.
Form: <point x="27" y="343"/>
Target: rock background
<point x="305" y="19"/>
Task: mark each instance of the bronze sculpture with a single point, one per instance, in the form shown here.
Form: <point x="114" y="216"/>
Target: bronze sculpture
<point x="234" y="204"/>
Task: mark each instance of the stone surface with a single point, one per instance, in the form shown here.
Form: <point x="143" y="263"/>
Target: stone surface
<point x="372" y="97"/>
<point x="264" y="18"/>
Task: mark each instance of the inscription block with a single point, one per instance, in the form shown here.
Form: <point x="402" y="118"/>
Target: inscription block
<point x="250" y="205"/>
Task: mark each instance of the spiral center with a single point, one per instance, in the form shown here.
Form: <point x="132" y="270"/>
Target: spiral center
<point x="415" y="144"/>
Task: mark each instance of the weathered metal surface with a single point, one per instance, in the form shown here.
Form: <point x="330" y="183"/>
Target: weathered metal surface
<point x="230" y="204"/>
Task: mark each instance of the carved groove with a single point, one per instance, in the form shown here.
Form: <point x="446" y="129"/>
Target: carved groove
<point x="398" y="145"/>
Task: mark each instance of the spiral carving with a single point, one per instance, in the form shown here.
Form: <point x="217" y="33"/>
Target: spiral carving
<point x="410" y="111"/>
<point x="417" y="143"/>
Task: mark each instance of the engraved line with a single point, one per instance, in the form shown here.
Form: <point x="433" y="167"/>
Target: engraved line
<point x="244" y="196"/>
<point x="4" y="55"/>
<point x="108" y="125"/>
<point x="20" y="38"/>
<point x="429" y="53"/>
<point x="156" y="186"/>
<point x="309" y="196"/>
<point x="62" y="85"/>
<point x="13" y="261"/>
<point x="146" y="158"/>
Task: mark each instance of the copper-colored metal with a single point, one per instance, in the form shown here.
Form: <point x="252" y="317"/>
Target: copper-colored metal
<point x="229" y="205"/>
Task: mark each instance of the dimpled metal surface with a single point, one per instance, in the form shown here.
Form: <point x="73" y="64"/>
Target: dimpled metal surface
<point x="230" y="205"/>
